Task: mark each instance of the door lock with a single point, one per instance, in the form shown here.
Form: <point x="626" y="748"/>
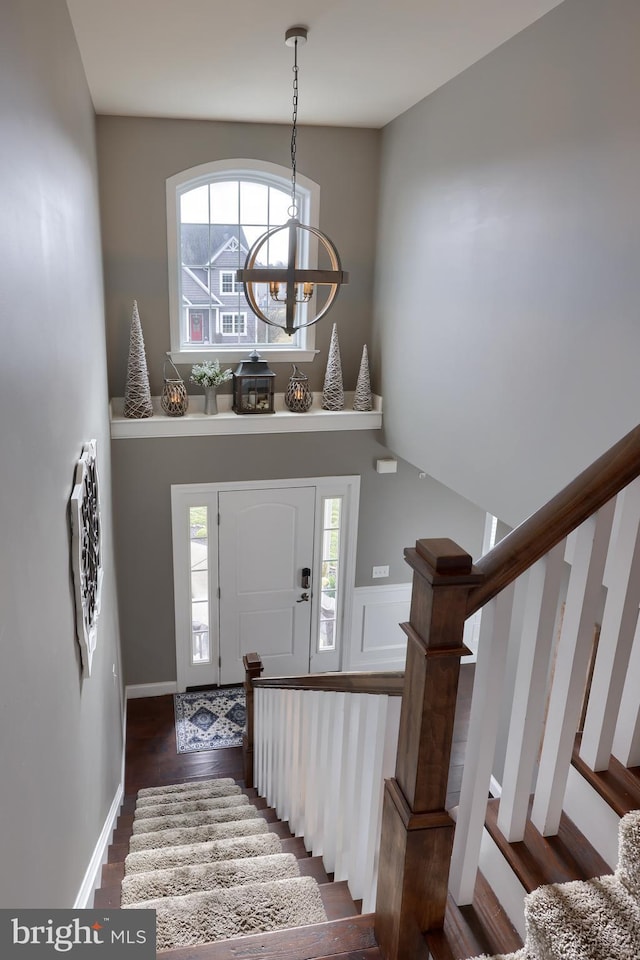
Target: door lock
<point x="303" y="599"/>
<point x="304" y="581"/>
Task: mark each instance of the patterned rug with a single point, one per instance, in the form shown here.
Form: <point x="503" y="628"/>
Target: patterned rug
<point x="209" y="719"/>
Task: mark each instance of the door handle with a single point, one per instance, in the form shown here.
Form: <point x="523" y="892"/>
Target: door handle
<point x="304" y="581"/>
<point x="303" y="599"/>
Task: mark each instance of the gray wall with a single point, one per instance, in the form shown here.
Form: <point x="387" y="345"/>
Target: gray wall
<point x="395" y="509"/>
<point x="509" y="242"/>
<point x="135" y="158"/>
<point x="60" y="736"/>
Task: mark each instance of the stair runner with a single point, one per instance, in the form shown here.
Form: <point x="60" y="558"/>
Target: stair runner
<point x="595" y="919"/>
<point x="204" y="859"/>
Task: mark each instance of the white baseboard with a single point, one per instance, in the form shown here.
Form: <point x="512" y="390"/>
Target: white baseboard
<point x="137" y="690"/>
<point x="92" y="876"/>
<point x="376" y="641"/>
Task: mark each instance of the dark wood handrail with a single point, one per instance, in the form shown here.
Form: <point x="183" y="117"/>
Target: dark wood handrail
<point x="391" y="683"/>
<point x="540" y="532"/>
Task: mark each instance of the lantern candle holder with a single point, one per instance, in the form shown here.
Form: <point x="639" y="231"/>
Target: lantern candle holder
<point x="174" y="399"/>
<point x="253" y="386"/>
<point x="298" y="397"/>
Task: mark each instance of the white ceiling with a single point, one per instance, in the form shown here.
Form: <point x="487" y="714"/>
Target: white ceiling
<point x="366" y="60"/>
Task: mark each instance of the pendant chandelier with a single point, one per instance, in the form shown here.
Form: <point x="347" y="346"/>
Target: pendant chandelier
<point x="289" y="284"/>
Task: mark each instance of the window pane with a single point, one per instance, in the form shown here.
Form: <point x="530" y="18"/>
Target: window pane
<point x="254" y="202"/>
<point x="330" y="544"/>
<point x="199" y="556"/>
<point x="332" y="508"/>
<point x="224" y="201"/>
<point x="279" y="203"/>
<point x="327" y="635"/>
<point x="194" y="206"/>
<point x="200" y="646"/>
<point x="220" y="222"/>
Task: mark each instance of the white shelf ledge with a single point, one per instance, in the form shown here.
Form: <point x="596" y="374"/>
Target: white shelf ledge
<point x="195" y="423"/>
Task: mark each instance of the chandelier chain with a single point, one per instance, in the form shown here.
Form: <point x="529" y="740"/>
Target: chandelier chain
<point x="294" y="128"/>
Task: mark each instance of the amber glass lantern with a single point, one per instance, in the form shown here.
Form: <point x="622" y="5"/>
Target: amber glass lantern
<point x="253" y="386"/>
<point x="298" y="397"/>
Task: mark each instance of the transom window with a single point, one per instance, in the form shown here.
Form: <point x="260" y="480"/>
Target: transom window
<point x="215" y="213"/>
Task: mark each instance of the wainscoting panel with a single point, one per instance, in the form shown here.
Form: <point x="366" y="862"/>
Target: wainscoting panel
<point x="377" y="642"/>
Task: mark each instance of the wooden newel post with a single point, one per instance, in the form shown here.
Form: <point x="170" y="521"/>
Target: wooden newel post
<point x="252" y="669"/>
<point x="417" y="832"/>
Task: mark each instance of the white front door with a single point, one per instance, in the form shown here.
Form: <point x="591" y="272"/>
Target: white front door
<point x="240" y="552"/>
<point x="266" y="540"/>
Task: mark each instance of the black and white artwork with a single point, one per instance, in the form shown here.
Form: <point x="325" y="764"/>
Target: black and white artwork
<point x="86" y="552"/>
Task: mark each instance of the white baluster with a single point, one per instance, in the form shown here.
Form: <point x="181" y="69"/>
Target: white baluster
<point x="626" y="746"/>
<point x="258" y="739"/>
<point x="351" y="764"/>
<point x="297" y="795"/>
<point x="616" y="636"/>
<point x="525" y="730"/>
<point x="574" y="648"/>
<point x="389" y="754"/>
<point x="314" y="774"/>
<point x="483" y="725"/>
<point x="374" y="716"/>
<point x="333" y="811"/>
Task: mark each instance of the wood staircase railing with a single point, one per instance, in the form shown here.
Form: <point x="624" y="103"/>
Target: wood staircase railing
<point x="417" y="831"/>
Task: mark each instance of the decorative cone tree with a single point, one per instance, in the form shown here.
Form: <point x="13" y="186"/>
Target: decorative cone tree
<point x="333" y="390"/>
<point x="137" y="393"/>
<point x="362" y="399"/>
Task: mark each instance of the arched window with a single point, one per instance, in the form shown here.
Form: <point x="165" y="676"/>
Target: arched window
<point x="215" y="212"/>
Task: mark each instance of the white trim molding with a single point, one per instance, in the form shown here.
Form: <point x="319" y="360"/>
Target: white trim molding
<point x="377" y="642"/>
<point x="91" y="880"/>
<point x="137" y="690"/>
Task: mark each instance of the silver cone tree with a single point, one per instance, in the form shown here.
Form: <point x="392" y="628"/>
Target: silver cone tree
<point x="137" y="393"/>
<point x="362" y="399"/>
<point x="333" y="390"/>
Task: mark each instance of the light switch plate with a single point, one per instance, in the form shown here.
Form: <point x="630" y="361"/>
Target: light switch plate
<point x="378" y="572"/>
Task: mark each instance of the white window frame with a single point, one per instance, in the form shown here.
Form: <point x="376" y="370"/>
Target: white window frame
<point x="236" y="286"/>
<point x="235" y="317"/>
<point x="271" y="174"/>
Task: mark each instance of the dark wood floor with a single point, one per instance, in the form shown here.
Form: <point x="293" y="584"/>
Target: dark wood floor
<point x="152" y="759"/>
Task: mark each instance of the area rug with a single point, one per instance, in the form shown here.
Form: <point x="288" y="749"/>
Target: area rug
<point x="209" y="719"/>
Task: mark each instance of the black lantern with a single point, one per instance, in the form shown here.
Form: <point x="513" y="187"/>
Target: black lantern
<point x="253" y="386"/>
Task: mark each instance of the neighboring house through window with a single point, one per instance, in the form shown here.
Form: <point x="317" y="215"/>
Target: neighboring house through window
<point x="215" y="213"/>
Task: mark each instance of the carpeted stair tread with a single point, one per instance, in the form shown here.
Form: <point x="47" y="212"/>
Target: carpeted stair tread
<point x="166" y="857"/>
<point x="190" y="791"/>
<point x="196" y="819"/>
<point x="147" y="811"/>
<point x="180" y="836"/>
<point x="185" y="785"/>
<point x="235" y="911"/>
<point x="595" y="919"/>
<point x="583" y="920"/>
<point x="180" y="881"/>
<point x="354" y="937"/>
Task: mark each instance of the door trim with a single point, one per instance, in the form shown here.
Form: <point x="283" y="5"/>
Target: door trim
<point x="186" y="495"/>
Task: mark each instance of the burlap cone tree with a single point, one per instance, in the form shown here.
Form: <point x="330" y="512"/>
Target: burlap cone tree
<point x="137" y="393"/>
<point x="333" y="390"/>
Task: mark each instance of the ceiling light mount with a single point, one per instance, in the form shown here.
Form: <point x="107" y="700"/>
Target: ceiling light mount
<point x="290" y="285"/>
